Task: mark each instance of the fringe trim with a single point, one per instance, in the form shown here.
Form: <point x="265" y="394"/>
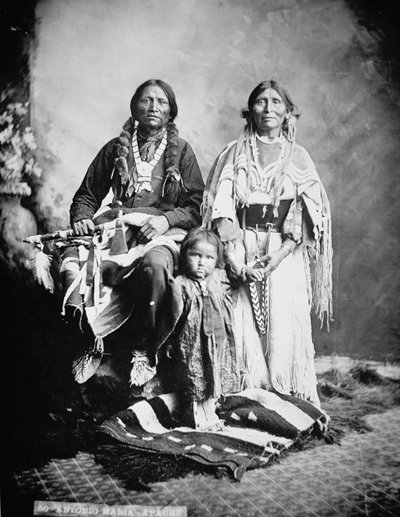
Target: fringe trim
<point x="85" y="365"/>
<point x="141" y="371"/>
<point x="41" y="265"/>
<point x="322" y="285"/>
<point x="212" y="183"/>
<point x="243" y="160"/>
<point x="322" y="290"/>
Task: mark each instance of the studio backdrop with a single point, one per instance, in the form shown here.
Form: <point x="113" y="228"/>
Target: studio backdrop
<point x="90" y="55"/>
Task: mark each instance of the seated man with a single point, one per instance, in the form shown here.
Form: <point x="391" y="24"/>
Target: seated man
<point x="157" y="189"/>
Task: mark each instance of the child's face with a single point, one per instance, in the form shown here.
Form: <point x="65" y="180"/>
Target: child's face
<point x="201" y="259"/>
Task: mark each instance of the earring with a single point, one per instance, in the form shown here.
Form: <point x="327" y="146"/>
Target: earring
<point x="291" y="128"/>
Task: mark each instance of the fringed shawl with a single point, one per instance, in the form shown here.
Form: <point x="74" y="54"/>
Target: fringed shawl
<point x="227" y="188"/>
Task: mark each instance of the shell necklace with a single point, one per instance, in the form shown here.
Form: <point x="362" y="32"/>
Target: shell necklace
<point x="144" y="169"/>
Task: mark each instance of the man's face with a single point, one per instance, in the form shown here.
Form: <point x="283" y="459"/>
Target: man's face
<point x="152" y="110"/>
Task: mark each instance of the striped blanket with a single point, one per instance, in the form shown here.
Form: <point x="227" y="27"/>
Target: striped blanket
<point x="259" y="426"/>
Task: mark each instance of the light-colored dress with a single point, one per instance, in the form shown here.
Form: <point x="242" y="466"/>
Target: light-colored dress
<point x="278" y="179"/>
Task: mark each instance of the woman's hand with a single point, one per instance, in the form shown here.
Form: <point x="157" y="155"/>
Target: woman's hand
<point x="273" y="259"/>
<point x="153" y="227"/>
<point x="83" y="227"/>
<point x="251" y="274"/>
<point x="257" y="274"/>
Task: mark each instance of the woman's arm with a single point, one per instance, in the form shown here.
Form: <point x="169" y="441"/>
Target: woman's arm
<point x="276" y="257"/>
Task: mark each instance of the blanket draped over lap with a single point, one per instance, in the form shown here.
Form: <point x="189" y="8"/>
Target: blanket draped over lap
<point x="259" y="425"/>
<point x="96" y="279"/>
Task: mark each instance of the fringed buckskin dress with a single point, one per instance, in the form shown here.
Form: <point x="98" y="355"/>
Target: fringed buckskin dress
<point x="258" y="194"/>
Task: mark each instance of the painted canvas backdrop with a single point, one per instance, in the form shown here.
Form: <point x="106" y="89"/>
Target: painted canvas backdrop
<point x="90" y="55"/>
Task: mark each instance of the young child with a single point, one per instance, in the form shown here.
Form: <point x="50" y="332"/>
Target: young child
<point x="203" y="336"/>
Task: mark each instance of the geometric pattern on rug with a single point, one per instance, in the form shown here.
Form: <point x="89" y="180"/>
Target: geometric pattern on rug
<point x="259" y="425"/>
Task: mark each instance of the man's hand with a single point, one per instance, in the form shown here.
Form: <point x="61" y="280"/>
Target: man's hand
<point x="153" y="227"/>
<point x="83" y="227"/>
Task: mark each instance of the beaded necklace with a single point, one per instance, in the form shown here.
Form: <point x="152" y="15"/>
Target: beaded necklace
<point x="144" y="169"/>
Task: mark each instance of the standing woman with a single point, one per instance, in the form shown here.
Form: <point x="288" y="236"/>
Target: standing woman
<point x="266" y="201"/>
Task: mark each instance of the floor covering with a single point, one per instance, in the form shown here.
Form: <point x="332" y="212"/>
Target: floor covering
<point x="361" y="476"/>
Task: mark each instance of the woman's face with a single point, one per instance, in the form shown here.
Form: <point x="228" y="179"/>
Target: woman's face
<point x="269" y="113"/>
<point x="152" y="110"/>
<point x="201" y="260"/>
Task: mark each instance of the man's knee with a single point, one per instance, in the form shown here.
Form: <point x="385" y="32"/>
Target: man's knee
<point x="157" y="263"/>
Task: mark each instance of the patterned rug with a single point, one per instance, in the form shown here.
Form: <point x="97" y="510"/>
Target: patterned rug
<point x="146" y="442"/>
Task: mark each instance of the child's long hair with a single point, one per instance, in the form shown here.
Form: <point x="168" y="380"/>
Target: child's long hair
<point x="197" y="235"/>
